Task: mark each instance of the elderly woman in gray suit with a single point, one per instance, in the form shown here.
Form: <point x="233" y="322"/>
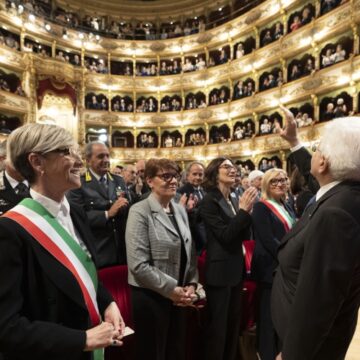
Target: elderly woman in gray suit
<point x="162" y="266"/>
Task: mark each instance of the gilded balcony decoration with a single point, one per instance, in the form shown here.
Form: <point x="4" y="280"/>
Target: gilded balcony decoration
<point x="328" y="88"/>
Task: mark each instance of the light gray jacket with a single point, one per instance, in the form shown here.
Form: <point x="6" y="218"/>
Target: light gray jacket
<point x="153" y="247"/>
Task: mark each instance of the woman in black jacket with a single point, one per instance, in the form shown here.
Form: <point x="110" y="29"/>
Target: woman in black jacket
<point x="227" y="223"/>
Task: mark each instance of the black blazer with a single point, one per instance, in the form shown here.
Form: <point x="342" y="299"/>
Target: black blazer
<point x="268" y="232"/>
<point x="196" y="225"/>
<point x="225" y="233"/>
<point x="316" y="289"/>
<point x="42" y="310"/>
<point x="109" y="234"/>
<point x="8" y="196"/>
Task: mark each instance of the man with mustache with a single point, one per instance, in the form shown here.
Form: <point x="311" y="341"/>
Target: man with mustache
<point x="103" y="196"/>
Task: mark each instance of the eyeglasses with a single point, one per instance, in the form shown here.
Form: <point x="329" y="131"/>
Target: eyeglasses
<point x="167" y="177"/>
<point x="227" y="167"/>
<point x="276" y="182"/>
<point x="64" y="152"/>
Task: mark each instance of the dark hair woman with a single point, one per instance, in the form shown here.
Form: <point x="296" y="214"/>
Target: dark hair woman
<point x="227" y="223"/>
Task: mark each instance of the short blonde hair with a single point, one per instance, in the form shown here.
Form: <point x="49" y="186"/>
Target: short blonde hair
<point x="268" y="176"/>
<point x="38" y="138"/>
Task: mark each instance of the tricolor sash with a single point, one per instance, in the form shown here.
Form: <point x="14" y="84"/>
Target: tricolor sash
<point x="280" y="213"/>
<point x="52" y="236"/>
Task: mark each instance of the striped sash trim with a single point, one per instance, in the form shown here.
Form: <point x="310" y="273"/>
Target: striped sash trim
<point x="281" y="214"/>
<point x="44" y="228"/>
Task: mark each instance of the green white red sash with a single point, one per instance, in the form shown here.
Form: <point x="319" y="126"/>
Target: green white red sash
<point x="281" y="213"/>
<point x="50" y="234"/>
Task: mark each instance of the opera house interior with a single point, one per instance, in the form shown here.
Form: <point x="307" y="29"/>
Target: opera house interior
<point x="185" y="80"/>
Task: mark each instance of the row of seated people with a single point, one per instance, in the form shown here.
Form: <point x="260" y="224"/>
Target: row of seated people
<point x="111" y="27"/>
<point x="339" y="106"/>
<point x="331" y="53"/>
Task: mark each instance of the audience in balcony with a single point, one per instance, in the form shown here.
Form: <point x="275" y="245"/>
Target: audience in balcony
<point x="278" y="30"/>
<point x="146" y="141"/>
<point x="146" y="105"/>
<point x="195" y="139"/>
<point x="301" y="18"/>
<point x="265" y="127"/>
<point x="267" y="38"/>
<point x="239" y="133"/>
<point x="4" y="85"/>
<point x="223" y="59"/>
<point x="188" y="66"/>
<point x="303" y="119"/>
<point x="240" y="51"/>
<point x="243" y="89"/>
<point x="296" y="24"/>
<point x="333" y="56"/>
<point x="200" y="64"/>
<point x="295" y="73"/>
<point x="269" y="80"/>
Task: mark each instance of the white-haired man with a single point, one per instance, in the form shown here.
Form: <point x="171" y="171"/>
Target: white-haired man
<point x="316" y="290"/>
<point x="255" y="179"/>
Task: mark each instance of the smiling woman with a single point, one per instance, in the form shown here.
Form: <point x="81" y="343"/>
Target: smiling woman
<point x="162" y="266"/>
<point x="227" y="223"/>
<point x="50" y="300"/>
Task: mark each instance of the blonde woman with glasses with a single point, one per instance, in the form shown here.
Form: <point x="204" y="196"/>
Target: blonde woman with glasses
<point x="272" y="219"/>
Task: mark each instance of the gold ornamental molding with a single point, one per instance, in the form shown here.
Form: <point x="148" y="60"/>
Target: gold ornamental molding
<point x="253" y="16"/>
<point x="254" y="103"/>
<point x="158" y="119"/>
<point x="312" y="84"/>
<point x="157" y="47"/>
<point x="204" y="38"/>
<point x="109" y="45"/>
<point x="205" y="114"/>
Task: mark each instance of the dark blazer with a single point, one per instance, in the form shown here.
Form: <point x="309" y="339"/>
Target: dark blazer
<point x="302" y="159"/>
<point x="109" y="234"/>
<point x="225" y="233"/>
<point x="196" y="225"/>
<point x="268" y="232"/>
<point x="8" y="196"/>
<point x="316" y="289"/>
<point x="42" y="310"/>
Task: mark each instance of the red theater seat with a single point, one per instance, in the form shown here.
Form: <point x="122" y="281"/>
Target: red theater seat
<point x="115" y="280"/>
<point x="249" y="294"/>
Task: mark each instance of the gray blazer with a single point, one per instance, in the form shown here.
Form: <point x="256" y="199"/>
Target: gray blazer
<point x="153" y="247"/>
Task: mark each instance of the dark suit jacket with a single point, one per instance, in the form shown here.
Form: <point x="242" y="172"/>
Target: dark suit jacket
<point x="316" y="290"/>
<point x="225" y="233"/>
<point x="8" y="196"/>
<point x="268" y="232"/>
<point x="109" y="234"/>
<point x="196" y="225"/>
<point x="42" y="311"/>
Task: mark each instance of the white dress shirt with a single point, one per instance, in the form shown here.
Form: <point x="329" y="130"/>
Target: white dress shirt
<point x="61" y="211"/>
<point x="14" y="183"/>
<point x="324" y="189"/>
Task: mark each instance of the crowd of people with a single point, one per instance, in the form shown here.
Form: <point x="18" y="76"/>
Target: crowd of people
<point x="62" y="222"/>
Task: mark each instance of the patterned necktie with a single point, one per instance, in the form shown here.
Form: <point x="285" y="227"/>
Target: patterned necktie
<point x="22" y="190"/>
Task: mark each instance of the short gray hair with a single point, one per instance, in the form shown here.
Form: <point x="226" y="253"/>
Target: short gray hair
<point x="189" y="166"/>
<point x="340" y="145"/>
<point x="38" y="138"/>
<point x="89" y="147"/>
